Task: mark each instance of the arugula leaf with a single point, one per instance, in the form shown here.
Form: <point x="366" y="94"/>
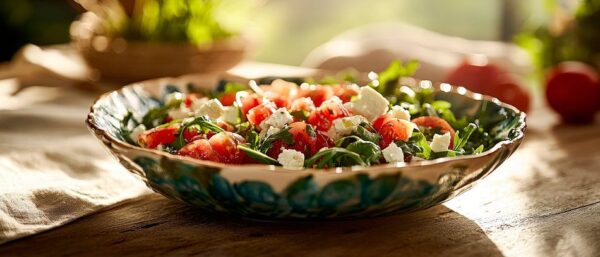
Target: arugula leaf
<point x="448" y="116"/>
<point x="202" y="124"/>
<point x="441" y="105"/>
<point x="300" y="114"/>
<point x="226" y="87"/>
<point x="368" y="151"/>
<point x="461" y="142"/>
<point x="363" y="133"/>
<point x="334" y="157"/>
<point x="253" y="139"/>
<point x="419" y="140"/>
<point x="428" y="110"/>
<point x="478" y="150"/>
<point x="348" y="75"/>
<point x="310" y="131"/>
<point x="244" y="128"/>
<point x="284" y="134"/>
<point x="409" y="147"/>
<point x="258" y="156"/>
<point x="155" y="116"/>
<point x="124" y="131"/>
<point x="388" y="79"/>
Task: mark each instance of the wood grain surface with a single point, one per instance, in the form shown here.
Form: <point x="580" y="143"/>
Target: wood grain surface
<point x="543" y="201"/>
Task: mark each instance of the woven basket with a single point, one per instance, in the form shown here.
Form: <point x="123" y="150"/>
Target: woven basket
<point x="127" y="61"/>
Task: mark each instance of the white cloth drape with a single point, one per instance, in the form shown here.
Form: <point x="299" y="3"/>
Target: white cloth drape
<point x="52" y="170"/>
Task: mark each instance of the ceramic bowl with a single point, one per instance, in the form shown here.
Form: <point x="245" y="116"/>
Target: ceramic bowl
<point x="273" y="193"/>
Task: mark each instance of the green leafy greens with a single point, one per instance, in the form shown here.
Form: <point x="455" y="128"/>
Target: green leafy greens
<point x="200" y="124"/>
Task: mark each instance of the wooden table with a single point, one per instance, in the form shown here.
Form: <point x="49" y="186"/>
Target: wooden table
<point x="544" y="201"/>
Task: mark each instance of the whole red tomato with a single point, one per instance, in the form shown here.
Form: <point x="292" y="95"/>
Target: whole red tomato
<point x="573" y="91"/>
<point x="489" y="79"/>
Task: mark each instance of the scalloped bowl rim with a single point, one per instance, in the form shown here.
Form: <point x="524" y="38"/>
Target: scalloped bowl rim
<point x="312" y="171"/>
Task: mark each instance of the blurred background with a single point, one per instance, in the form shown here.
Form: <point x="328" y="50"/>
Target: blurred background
<point x="509" y="49"/>
<point x="290" y="29"/>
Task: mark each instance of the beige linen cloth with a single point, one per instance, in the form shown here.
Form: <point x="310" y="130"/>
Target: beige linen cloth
<point x="52" y="170"/>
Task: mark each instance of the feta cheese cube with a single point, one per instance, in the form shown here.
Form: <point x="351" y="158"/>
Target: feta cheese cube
<point x="333" y="100"/>
<point x="211" y="108"/>
<point x="173" y="99"/>
<point x="179" y="113"/>
<point x="231" y="114"/>
<point x="347" y="125"/>
<point x="136" y="132"/>
<point x="331" y="133"/>
<point x="268" y="132"/>
<point x="370" y="103"/>
<point x="399" y="113"/>
<point x="440" y="143"/>
<point x="272" y="130"/>
<point x="278" y="119"/>
<point x="197" y="103"/>
<point x="393" y="153"/>
<point x="291" y="159"/>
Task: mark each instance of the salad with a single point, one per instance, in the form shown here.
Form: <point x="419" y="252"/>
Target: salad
<point x="310" y="124"/>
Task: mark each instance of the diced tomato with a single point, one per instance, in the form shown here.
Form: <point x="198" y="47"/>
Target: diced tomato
<point x="321" y="141"/>
<point x="275" y="149"/>
<point x="226" y="126"/>
<point x="224" y="144"/>
<point x="304" y="142"/>
<point x="345" y="92"/>
<point x="279" y="101"/>
<point x="318" y="94"/>
<point x="191" y="133"/>
<point x="317" y="119"/>
<point x="250" y="102"/>
<point x="435" y="122"/>
<point x="334" y="110"/>
<point x="302" y="139"/>
<point x="222" y="147"/>
<point x="259" y="113"/>
<point x="227" y="99"/>
<point x="189" y="99"/>
<point x="383" y="119"/>
<point x="302" y="104"/>
<point x="391" y="131"/>
<point x="199" y="149"/>
<point x="323" y="117"/>
<point x="159" y="136"/>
